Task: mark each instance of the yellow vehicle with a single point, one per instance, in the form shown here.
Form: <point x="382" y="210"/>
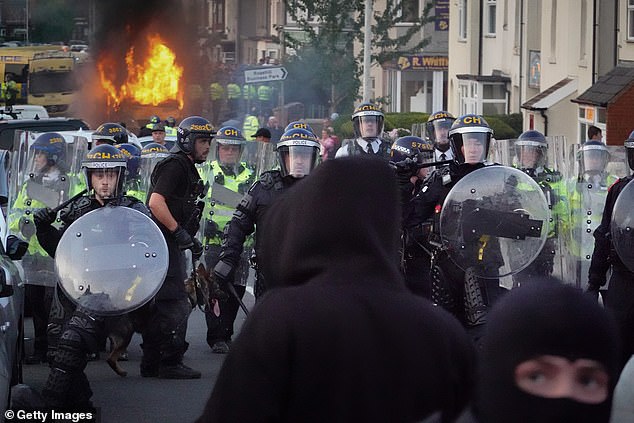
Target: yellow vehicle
<point x="51" y="81"/>
<point x="43" y="74"/>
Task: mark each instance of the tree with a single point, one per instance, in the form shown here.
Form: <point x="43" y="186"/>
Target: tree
<point x="322" y="67"/>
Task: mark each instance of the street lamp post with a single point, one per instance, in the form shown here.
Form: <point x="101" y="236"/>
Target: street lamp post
<point x="366" y="50"/>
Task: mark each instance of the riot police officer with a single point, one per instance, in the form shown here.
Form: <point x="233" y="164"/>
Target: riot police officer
<point x="297" y="153"/>
<point x="367" y="121"/>
<point x="75" y="332"/>
<point x="47" y="170"/>
<point x="467" y="298"/>
<point x="587" y="195"/>
<point x="531" y="150"/>
<point x="175" y="199"/>
<point x="437" y="128"/>
<point x="411" y="157"/>
<point x="620" y="293"/>
<point x="109" y="133"/>
<point x="230" y="179"/>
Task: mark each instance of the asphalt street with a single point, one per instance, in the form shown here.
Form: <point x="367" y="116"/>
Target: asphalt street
<point x="151" y="400"/>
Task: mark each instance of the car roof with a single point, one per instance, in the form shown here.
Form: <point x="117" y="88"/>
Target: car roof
<point x="8" y="128"/>
<point x="23" y="111"/>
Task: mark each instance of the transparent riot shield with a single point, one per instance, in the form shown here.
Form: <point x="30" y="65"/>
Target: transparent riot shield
<point x="586" y="189"/>
<point x="45" y="176"/>
<point x="112" y="260"/>
<point x="543" y="165"/>
<point x="622" y="226"/>
<point x="494" y="222"/>
<point x="227" y="184"/>
<point x="149" y="159"/>
<point x="266" y="158"/>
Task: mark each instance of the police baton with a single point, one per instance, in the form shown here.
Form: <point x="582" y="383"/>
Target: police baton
<point x="70" y="200"/>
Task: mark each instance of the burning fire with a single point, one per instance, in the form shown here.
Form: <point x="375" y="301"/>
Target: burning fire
<point x="150" y="83"/>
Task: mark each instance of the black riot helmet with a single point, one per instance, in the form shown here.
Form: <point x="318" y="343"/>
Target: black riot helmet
<point x="629" y="148"/>
<point x="190" y="129"/>
<point x="437" y="129"/>
<point x="110" y="133"/>
<point x="531" y="149"/>
<point x="297" y="152"/>
<point x="298" y="124"/>
<point x="154" y="119"/>
<point x="230" y="136"/>
<point x="104" y="160"/>
<point x="53" y="146"/>
<point x="474" y="134"/>
<point x="367" y="113"/>
<point x="594" y="157"/>
<point x="154" y="150"/>
<point x="412" y="153"/>
<point x="170" y="121"/>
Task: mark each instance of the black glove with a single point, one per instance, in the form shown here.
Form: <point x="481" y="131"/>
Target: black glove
<point x="222" y="272"/>
<point x="197" y="249"/>
<point x="44" y="217"/>
<point x="183" y="239"/>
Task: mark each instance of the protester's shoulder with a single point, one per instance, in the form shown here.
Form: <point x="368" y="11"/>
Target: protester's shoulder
<point x="620" y="183"/>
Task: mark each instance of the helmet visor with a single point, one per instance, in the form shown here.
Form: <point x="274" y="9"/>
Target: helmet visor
<point x="475" y="146"/>
<point x="298" y="160"/>
<point x="106" y="183"/>
<point x="530" y="155"/>
<point x="438" y="131"/>
<point x="594" y="160"/>
<point x="368" y="126"/>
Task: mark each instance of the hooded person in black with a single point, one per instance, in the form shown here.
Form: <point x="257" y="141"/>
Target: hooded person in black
<point x="536" y="335"/>
<point x="341" y="338"/>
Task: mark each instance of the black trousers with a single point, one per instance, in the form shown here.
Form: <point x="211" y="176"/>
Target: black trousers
<point x="620" y="299"/>
<point x="220" y="328"/>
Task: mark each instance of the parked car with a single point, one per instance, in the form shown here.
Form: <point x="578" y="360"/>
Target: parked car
<point x="11" y="304"/>
<point x="8" y="127"/>
<point x="23" y="111"/>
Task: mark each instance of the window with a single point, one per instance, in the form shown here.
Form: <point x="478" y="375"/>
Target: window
<point x="483" y="98"/>
<point x="553" y="33"/>
<point x="584" y="29"/>
<point x="630" y="20"/>
<point x="409" y="10"/>
<point x="218" y="16"/>
<point x="462" y="20"/>
<point x="489" y="17"/>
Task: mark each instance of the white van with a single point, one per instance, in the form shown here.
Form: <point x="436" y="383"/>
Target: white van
<point x="23" y="111"/>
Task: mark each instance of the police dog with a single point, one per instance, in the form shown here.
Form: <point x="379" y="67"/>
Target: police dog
<point x="120" y="330"/>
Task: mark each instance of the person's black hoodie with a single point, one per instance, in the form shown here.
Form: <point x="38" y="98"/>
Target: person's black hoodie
<point x="341" y="339"/>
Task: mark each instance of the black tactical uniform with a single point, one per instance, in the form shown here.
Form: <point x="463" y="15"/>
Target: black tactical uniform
<point x="462" y="293"/>
<point x="620" y="294"/>
<point x="297" y="153"/>
<point x="73" y="332"/>
<point x="177" y="179"/>
<point x="247" y="216"/>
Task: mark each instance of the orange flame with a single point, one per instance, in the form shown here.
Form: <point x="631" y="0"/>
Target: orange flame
<point x="151" y="83"/>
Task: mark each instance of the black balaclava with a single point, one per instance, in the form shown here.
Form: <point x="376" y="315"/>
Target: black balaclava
<point x="544" y="318"/>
